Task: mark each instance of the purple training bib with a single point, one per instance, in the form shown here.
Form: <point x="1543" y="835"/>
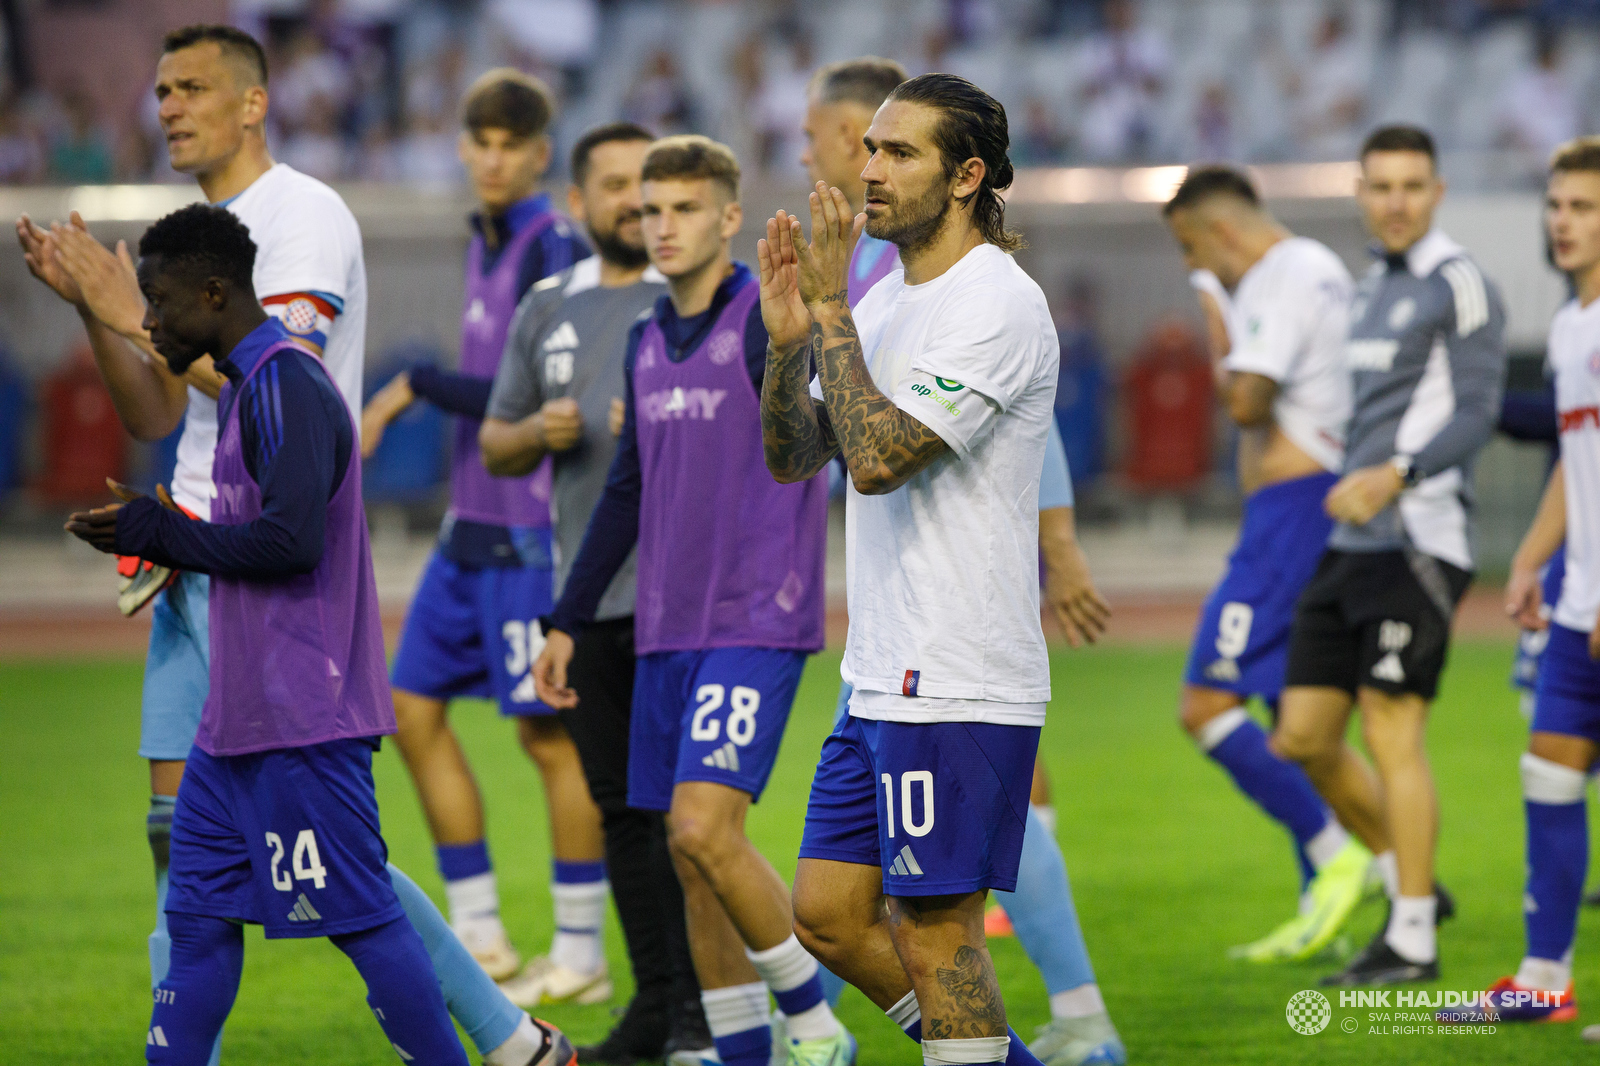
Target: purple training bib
<point x="727" y="556"/>
<point x="294" y="660"/>
<point x="491" y="300"/>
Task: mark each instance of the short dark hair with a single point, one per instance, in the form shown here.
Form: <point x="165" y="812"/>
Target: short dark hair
<point x="610" y="133"/>
<point x="866" y="80"/>
<point x="507" y="99"/>
<point x="204" y="237"/>
<point x="691" y="155"/>
<point x="235" y="44"/>
<point x="1205" y="183"/>
<point x="1581" y="154"/>
<point x="971" y="124"/>
<point x="1400" y="138"/>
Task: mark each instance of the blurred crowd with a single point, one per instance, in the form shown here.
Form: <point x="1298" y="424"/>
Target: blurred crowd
<point x="367" y="89"/>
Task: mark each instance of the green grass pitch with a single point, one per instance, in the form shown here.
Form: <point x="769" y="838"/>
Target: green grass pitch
<point x="1168" y="864"/>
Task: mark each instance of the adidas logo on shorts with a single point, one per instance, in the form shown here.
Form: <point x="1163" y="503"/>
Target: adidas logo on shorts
<point x="905" y="864"/>
<point x="304" y="911"/>
<point x="724" y="758"/>
<point x="156" y="1037"/>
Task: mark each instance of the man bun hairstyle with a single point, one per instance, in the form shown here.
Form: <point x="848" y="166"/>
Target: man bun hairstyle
<point x="690" y="155"/>
<point x="1579" y="155"/>
<point x="1210" y="182"/>
<point x="867" y="80"/>
<point x="610" y="133"/>
<point x="243" y="50"/>
<point x="507" y="99"/>
<point x="1400" y="138"/>
<point x="971" y="124"/>
<point x="205" y="238"/>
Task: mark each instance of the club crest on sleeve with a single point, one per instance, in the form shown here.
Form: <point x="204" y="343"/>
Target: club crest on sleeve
<point x="300" y="316"/>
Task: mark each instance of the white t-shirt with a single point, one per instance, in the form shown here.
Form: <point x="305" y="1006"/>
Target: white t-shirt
<point x="1575" y="360"/>
<point x="942" y="574"/>
<point x="1288" y="320"/>
<point x="308" y="245"/>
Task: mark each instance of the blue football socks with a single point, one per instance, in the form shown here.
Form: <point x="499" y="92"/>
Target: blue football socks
<point x="473" y="999"/>
<point x="403" y="993"/>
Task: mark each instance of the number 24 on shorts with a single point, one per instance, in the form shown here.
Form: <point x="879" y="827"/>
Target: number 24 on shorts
<point x="743" y="703"/>
<point x="306" y="862"/>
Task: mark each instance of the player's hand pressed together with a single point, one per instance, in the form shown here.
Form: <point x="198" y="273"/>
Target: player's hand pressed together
<point x="39" y="252"/>
<point x="550" y="672"/>
<point x="386" y="405"/>
<point x="1361" y="494"/>
<point x="106" y="279"/>
<point x="783" y="310"/>
<point x="824" y="262"/>
<point x="562" y="422"/>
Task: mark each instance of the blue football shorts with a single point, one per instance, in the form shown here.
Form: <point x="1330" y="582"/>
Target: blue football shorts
<point x="715" y="715"/>
<point x="177" y="669"/>
<point x="286" y="839"/>
<point x="474" y="631"/>
<point x="940" y="807"/>
<point x="1568" y="697"/>
<point x="1241" y="644"/>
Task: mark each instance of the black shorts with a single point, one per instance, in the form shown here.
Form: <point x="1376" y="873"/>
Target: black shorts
<point x="601" y="672"/>
<point x="1375" y="619"/>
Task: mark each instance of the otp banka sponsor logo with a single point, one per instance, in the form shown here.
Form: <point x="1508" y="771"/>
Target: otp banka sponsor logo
<point x="678" y="402"/>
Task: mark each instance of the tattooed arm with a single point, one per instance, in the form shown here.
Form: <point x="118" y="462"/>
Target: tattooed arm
<point x="883" y="446"/>
<point x="795" y="429"/>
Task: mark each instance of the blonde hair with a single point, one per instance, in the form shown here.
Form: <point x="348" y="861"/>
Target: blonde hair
<point x="1578" y="154"/>
<point x="691" y="155"/>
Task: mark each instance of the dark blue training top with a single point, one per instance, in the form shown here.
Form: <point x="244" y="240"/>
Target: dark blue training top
<point x="298" y="469"/>
<point x="614" y="527"/>
<point x="552" y="252"/>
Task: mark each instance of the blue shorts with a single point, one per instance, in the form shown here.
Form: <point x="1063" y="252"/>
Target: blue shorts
<point x="950" y="817"/>
<point x="286" y="839"/>
<point x="1568" y="697"/>
<point x="1530" y="646"/>
<point x="474" y="631"/>
<point x="177" y="669"/>
<point x="1241" y="644"/>
<point x="715" y="715"/>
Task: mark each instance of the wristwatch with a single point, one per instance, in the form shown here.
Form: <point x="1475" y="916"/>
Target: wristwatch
<point x="1406" y="467"/>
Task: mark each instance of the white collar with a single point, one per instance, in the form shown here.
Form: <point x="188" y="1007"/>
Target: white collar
<point x="1424" y="257"/>
<point x="586" y="275"/>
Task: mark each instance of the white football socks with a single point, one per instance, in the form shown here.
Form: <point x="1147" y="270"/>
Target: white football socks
<point x="980" y="1049"/>
<point x="1080" y="1002"/>
<point x="1546" y="975"/>
<point x="789" y="966"/>
<point x="1411" y="930"/>
<point x="735" y="1009"/>
<point x="1389" y="870"/>
<point x="474" y="904"/>
<point x="1328" y="842"/>
<point x="580" y="915"/>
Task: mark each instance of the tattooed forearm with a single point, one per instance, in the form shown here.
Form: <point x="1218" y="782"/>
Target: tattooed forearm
<point x="972" y="986"/>
<point x="883" y="446"/>
<point x="795" y="430"/>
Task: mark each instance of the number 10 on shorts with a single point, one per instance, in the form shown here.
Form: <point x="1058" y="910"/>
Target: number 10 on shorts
<point x="923" y="778"/>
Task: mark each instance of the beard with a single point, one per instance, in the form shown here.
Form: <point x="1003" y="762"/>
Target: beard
<point x="613" y="249"/>
<point x="179" y="360"/>
<point x="910" y="225"/>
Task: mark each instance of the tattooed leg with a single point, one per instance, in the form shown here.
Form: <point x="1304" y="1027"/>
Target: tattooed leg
<point x="940" y="942"/>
